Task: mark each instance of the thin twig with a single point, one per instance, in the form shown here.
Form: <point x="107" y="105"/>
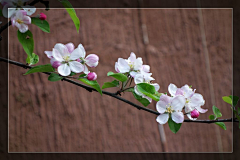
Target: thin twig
<point x="90" y="89"/>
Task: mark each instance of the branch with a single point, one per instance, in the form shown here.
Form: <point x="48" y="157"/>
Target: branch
<point x="10" y="23"/>
<point x="90" y="89"/>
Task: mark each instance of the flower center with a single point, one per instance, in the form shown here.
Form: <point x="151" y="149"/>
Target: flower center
<point x="169" y="109"/>
<point x="19" y="21"/>
<point x="187" y="101"/>
<point x="66" y="58"/>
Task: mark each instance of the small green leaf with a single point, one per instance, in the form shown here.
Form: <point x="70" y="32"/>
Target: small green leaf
<point x="41" y="68"/>
<point x="114" y="83"/>
<point x="174" y="127"/>
<point x="26" y="39"/>
<point x="227" y="99"/>
<point x="54" y="77"/>
<point x="211" y="117"/>
<point x="129" y="90"/>
<point x="144" y="101"/>
<point x="148" y="90"/>
<point x="33" y="59"/>
<point x="93" y="84"/>
<point x="216" y="112"/>
<point x="119" y="76"/>
<point x="82" y="75"/>
<point x="69" y="8"/>
<point x="72" y="74"/>
<point x="42" y="24"/>
<point x="222" y="125"/>
<point x="234" y="100"/>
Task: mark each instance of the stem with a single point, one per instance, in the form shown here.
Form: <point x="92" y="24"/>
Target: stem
<point x="90" y="89"/>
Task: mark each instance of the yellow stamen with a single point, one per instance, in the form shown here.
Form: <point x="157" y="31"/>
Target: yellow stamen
<point x="19" y="21"/>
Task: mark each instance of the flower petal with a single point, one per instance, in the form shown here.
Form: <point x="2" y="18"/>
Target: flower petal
<point x="86" y="71"/>
<point x="70" y="47"/>
<point x="83" y="52"/>
<point x="75" y="54"/>
<point x="26" y="20"/>
<point x="57" y="55"/>
<point x="190" y="117"/>
<point x="132" y="57"/>
<point x="133" y="73"/>
<point x="197" y="100"/>
<point x="138" y="79"/>
<point x="76" y="67"/>
<point x="161" y="106"/>
<point x="64" y="70"/>
<point x="29" y="9"/>
<point x="156" y="86"/>
<point x="137" y="91"/>
<point x="123" y="66"/>
<point x="163" y="118"/>
<point x="172" y="88"/>
<point x="62" y="49"/>
<point x="23" y="28"/>
<point x="138" y="64"/>
<point x="165" y="98"/>
<point x="201" y="110"/>
<point x="49" y="54"/>
<point x="146" y="68"/>
<point x="178" y="117"/>
<point x="178" y="103"/>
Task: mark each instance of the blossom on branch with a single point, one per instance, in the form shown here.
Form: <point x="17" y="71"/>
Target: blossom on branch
<point x="21" y="21"/>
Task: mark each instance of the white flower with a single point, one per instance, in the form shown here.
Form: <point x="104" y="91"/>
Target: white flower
<point x="132" y="65"/>
<point x="91" y="60"/>
<point x="170" y="106"/>
<point x="21" y="21"/>
<point x="68" y="61"/>
<point x="193" y="100"/>
<point x="144" y="78"/>
<point x="10" y="7"/>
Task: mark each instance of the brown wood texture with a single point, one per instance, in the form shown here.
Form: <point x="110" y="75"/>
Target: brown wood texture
<point x="49" y="116"/>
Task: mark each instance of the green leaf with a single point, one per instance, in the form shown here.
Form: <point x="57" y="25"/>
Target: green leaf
<point x="41" y="68"/>
<point x="216" y="112"/>
<point x="119" y="76"/>
<point x="174" y="127"/>
<point x="148" y="90"/>
<point x="33" y="59"/>
<point x="211" y="117"/>
<point x="42" y="24"/>
<point x="114" y="83"/>
<point x="222" y="125"/>
<point x="129" y="90"/>
<point x="72" y="13"/>
<point x="93" y="84"/>
<point x="234" y="100"/>
<point x="82" y="75"/>
<point x="227" y="99"/>
<point x="72" y="74"/>
<point x="26" y="39"/>
<point x="54" y="77"/>
<point x="144" y="101"/>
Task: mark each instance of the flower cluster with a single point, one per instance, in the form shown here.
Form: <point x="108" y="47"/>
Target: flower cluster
<point x="134" y="68"/>
<point x="67" y="59"/>
<point x="19" y="14"/>
<point x="184" y="97"/>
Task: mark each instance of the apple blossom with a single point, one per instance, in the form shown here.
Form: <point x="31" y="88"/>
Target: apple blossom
<point x="194" y="114"/>
<point x="91" y="60"/>
<point x="91" y="76"/>
<point x="144" y="78"/>
<point x="10" y="7"/>
<point x="132" y="65"/>
<point x="20" y="20"/>
<point x="170" y="106"/>
<point x="68" y="61"/>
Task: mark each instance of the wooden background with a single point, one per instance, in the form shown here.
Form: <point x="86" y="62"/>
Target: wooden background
<point x="177" y="43"/>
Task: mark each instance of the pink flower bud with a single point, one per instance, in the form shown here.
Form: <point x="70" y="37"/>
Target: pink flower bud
<point x="56" y="64"/>
<point x="92" y="76"/>
<point x="194" y="114"/>
<point x="92" y="60"/>
<point x="42" y="16"/>
<point x="79" y="60"/>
